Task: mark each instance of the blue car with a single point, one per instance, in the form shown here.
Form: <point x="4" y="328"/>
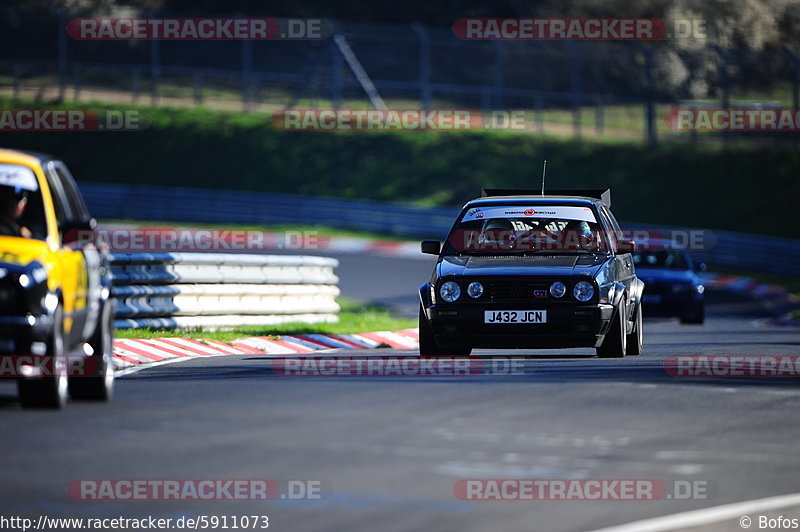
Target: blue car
<point x="671" y="284"/>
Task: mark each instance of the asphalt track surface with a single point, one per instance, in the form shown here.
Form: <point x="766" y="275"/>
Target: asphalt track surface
<point x="390" y="449"/>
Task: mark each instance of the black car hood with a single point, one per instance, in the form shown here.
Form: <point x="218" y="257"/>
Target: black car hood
<point x="544" y="265"/>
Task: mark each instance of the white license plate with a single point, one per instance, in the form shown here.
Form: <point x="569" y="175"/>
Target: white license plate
<point x="515" y="316"/>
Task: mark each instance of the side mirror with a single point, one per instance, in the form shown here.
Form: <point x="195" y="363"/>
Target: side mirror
<point x="77" y="231"/>
<point x="431" y="247"/>
<point x="626" y="246"/>
<point x="700" y="267"/>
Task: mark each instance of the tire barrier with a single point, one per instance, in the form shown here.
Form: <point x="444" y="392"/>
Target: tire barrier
<point x="214" y="290"/>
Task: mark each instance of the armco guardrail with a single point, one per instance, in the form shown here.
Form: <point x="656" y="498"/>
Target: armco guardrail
<point x="140" y="202"/>
<point x="146" y="202"/>
<point x="214" y="290"/>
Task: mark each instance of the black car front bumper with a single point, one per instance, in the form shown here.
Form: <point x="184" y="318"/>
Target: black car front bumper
<point x="568" y="325"/>
<point x="19" y="333"/>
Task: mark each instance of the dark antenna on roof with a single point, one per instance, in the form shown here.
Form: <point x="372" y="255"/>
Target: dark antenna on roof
<point x="544" y="171"/>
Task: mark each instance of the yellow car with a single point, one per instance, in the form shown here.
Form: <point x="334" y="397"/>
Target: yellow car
<point x="56" y="313"/>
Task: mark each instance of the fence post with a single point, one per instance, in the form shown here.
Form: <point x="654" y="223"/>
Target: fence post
<point x="650" y="112"/>
<point x="575" y="86"/>
<point x="599" y="116"/>
<point x="155" y="71"/>
<point x="136" y="76"/>
<point x="336" y="72"/>
<point x="198" y="87"/>
<point x="726" y="88"/>
<point x="538" y="106"/>
<point x="17" y="79"/>
<point x="424" y="65"/>
<point x="497" y="71"/>
<point x="62" y="54"/>
<point x="76" y="82"/>
<point x="796" y="79"/>
<point x="247" y="72"/>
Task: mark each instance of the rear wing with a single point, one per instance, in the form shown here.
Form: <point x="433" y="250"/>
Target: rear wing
<point x="603" y="195"/>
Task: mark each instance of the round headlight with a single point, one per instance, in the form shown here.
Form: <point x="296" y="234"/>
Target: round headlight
<point x="557" y="289"/>
<point x="583" y="291"/>
<point x="475" y="290"/>
<point x="450" y="291"/>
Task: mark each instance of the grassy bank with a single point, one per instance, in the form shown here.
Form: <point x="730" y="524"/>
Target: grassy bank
<point x="736" y="186"/>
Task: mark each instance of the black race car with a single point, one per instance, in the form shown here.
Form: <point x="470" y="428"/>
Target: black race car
<point x="525" y="270"/>
<point x="673" y="286"/>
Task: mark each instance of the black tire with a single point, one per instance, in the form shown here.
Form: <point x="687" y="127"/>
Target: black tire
<point x="635" y="338"/>
<point x="100" y="385"/>
<point x="614" y="344"/>
<point x="48" y="391"/>
<point x="427" y="344"/>
<point x="697" y="317"/>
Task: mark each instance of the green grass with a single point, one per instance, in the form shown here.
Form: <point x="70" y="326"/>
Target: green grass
<point x="354" y="317"/>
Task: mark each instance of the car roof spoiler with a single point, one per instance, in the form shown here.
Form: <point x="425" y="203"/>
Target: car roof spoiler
<point x="603" y="195"/>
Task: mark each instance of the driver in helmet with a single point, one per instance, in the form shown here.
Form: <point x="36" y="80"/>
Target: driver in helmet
<point x="13" y="201"/>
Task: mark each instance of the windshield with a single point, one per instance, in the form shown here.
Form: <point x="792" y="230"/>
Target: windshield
<point x="516" y="230"/>
<point x="669" y="259"/>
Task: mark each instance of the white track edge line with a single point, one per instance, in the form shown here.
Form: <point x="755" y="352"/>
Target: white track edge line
<point x="705" y="516"/>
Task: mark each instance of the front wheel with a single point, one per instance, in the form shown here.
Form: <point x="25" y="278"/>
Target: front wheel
<point x="48" y="391"/>
<point x="635" y="338"/>
<point x="99" y="385"/>
<point x="615" y="343"/>
<point x="427" y="344"/>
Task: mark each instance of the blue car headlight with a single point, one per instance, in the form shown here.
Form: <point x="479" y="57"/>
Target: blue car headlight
<point x="583" y="291"/>
<point x="450" y="291"/>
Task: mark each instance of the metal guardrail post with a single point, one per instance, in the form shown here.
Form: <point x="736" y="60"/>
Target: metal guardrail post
<point x="424" y="65"/>
<point x="358" y="71"/>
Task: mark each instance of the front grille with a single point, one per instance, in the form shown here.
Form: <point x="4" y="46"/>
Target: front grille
<point x="518" y="290"/>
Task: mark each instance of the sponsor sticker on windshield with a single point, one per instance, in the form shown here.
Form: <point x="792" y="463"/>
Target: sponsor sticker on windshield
<point x="562" y="212"/>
